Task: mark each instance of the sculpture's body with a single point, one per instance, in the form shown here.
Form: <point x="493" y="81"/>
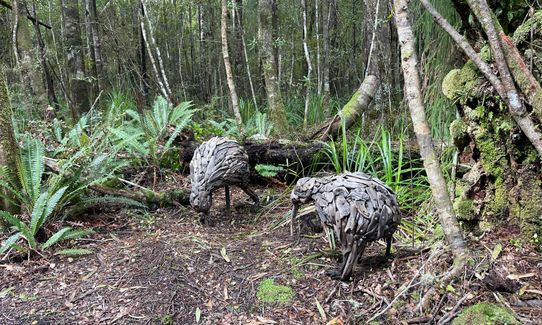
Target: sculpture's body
<point x="217" y="163"/>
<point x="358" y="208"/>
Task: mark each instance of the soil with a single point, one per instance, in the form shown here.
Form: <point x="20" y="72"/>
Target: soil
<point x="163" y="267"/>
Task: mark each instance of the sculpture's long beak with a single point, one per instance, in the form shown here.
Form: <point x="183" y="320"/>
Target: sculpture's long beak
<point x="294" y="214"/>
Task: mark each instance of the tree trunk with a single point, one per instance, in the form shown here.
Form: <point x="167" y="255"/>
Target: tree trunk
<point x="78" y="84"/>
<point x="227" y="65"/>
<point x="247" y="63"/>
<point x="25" y="55"/>
<point x="328" y="9"/>
<point x="8" y="143"/>
<point x="95" y="42"/>
<point x="309" y="64"/>
<point x="277" y="113"/>
<point x="51" y="95"/>
<point x="422" y="130"/>
<point x="157" y="49"/>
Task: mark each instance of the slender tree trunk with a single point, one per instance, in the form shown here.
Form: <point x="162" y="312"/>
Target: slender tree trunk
<point x="96" y="41"/>
<point x="157" y="49"/>
<point x="422" y="130"/>
<point x="161" y="86"/>
<point x="51" y="95"/>
<point x="29" y="73"/>
<point x="143" y="76"/>
<point x="309" y="64"/>
<point x="227" y="65"/>
<point x="247" y="63"/>
<point x="8" y="143"/>
<point x="277" y="113"/>
<point x="328" y="7"/>
<point x="318" y="62"/>
<point x="78" y="85"/>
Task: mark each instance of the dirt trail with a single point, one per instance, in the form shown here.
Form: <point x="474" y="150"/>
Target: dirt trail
<point x="162" y="266"/>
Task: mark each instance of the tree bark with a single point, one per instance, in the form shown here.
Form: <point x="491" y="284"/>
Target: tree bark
<point x="51" y="95"/>
<point x="328" y="8"/>
<point x="277" y="113"/>
<point x="431" y="163"/>
<point x="351" y="112"/>
<point x="8" y="143"/>
<point x="247" y="63"/>
<point x="309" y="64"/>
<point x="227" y="65"/>
<point x="157" y="49"/>
<point x="78" y="84"/>
<point x="29" y="73"/>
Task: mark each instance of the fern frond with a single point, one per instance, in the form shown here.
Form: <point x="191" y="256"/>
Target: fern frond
<point x="30" y="167"/>
<point x="58" y="236"/>
<point x="77" y="233"/>
<point x="74" y="251"/>
<point x="8" y="243"/>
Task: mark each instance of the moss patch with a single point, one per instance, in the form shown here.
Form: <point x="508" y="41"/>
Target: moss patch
<point x="458" y="132"/>
<point x="459" y="83"/>
<point x="464" y="208"/>
<point x="270" y="292"/>
<point x="484" y="313"/>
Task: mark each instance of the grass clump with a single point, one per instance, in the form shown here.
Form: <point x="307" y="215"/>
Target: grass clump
<point x="484" y="313"/>
<point x="270" y="292"/>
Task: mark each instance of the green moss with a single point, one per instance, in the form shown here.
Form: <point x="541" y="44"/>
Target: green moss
<point x="485" y="53"/>
<point x="350" y="108"/>
<point x="484" y="313"/>
<point x="460" y="83"/>
<point x="523" y="32"/>
<point x="464" y="208"/>
<point x="527" y="204"/>
<point x="458" y="132"/>
<point x="499" y="203"/>
<point x="270" y="292"/>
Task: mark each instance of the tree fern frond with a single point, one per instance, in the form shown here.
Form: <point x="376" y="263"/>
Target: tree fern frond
<point x="77" y="233"/>
<point x="38" y="213"/>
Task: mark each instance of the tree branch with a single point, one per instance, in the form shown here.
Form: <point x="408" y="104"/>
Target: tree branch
<point x="34" y="20"/>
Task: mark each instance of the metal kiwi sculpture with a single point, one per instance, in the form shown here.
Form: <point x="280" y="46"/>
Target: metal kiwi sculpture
<point x="358" y="208"/>
<point x="218" y="162"/>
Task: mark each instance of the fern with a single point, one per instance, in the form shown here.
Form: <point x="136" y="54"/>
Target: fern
<point x="74" y="251"/>
<point x="30" y="167"/>
<point x="55" y="238"/>
<point x="8" y="243"/>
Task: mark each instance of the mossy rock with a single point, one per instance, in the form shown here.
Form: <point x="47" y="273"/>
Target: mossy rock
<point x="484" y="313"/>
<point x="269" y="292"/>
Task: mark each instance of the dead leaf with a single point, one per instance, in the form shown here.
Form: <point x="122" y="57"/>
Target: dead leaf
<point x="335" y="321"/>
<point x="224" y="254"/>
<point x="534" y="291"/>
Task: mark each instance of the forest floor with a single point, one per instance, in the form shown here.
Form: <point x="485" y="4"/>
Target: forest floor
<point x="163" y="267"/>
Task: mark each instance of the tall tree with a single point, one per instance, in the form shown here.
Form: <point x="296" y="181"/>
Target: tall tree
<point x="277" y="113"/>
<point x="413" y="95"/>
<point x="95" y="47"/>
<point x="227" y="65"/>
<point x="24" y="51"/>
<point x="8" y="144"/>
<point x="78" y="84"/>
<point x="309" y="63"/>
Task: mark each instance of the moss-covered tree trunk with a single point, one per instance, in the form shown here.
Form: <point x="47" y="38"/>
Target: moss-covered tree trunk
<point x="8" y="144"/>
<point x="504" y="182"/>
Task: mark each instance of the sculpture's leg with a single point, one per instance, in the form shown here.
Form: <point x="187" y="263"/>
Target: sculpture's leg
<point x="204" y="218"/>
<point x="348" y="263"/>
<point x="361" y="250"/>
<point x="228" y="204"/>
<point x="252" y="195"/>
<point x="388" y="245"/>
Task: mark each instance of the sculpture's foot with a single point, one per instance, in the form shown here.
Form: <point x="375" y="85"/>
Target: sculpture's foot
<point x="255" y="207"/>
<point x="205" y="220"/>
